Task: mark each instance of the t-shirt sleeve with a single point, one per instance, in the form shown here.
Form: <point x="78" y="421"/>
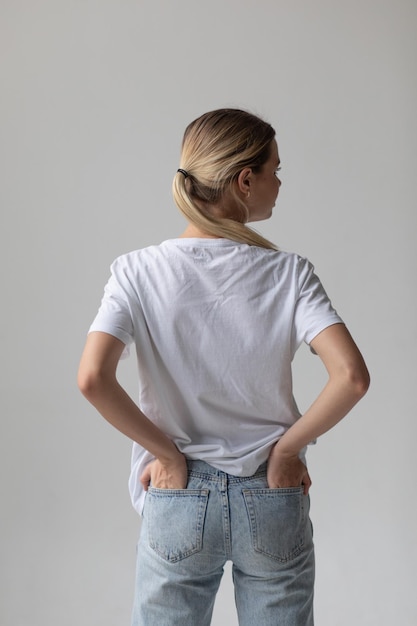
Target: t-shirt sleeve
<point x="114" y="315"/>
<point x="313" y="309"/>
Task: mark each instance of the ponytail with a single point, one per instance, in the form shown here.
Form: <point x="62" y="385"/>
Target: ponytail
<point x="218" y="227"/>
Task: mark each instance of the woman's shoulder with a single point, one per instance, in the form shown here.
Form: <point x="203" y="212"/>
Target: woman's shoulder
<point x="285" y="257"/>
<point x="133" y="257"/>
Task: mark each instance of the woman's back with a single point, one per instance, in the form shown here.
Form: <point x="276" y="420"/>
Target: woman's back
<point x="216" y="325"/>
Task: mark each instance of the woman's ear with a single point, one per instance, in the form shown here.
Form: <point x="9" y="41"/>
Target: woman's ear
<point x="244" y="181"/>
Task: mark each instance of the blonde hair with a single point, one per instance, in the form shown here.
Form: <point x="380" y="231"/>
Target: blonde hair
<point x="215" y="148"/>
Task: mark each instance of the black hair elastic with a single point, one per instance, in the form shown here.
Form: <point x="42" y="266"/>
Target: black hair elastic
<point x="183" y="172"/>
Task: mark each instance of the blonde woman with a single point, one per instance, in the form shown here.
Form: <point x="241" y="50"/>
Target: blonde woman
<point x="216" y="316"/>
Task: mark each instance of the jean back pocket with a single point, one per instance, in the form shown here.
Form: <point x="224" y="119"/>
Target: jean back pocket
<point x="175" y="521"/>
<point x="277" y="519"/>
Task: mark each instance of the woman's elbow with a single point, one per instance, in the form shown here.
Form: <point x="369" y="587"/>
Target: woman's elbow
<point x="89" y="382"/>
<point x="359" y="380"/>
<point x="84" y="382"/>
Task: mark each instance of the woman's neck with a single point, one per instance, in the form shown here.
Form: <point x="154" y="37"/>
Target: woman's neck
<point x="195" y="232"/>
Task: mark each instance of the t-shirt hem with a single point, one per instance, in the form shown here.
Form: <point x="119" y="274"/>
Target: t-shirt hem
<point x="325" y="324"/>
<point x="115" y="332"/>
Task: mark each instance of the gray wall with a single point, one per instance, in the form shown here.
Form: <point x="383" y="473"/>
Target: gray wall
<point x="95" y="98"/>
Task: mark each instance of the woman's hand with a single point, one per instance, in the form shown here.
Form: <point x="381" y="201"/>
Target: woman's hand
<point x="286" y="471"/>
<point x="172" y="475"/>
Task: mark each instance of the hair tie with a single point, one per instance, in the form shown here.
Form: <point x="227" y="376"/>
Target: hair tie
<point x="183" y="172"/>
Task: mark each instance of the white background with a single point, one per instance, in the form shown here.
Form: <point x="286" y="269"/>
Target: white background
<point x="95" y="97"/>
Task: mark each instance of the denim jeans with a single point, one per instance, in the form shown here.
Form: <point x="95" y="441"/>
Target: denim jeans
<point x="187" y="535"/>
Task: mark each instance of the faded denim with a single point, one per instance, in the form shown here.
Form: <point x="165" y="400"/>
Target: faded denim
<point x="188" y="535"/>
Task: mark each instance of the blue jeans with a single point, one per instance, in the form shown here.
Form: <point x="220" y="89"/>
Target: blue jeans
<point x="188" y="534"/>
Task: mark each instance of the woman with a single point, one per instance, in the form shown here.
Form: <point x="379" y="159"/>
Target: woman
<point x="218" y="463"/>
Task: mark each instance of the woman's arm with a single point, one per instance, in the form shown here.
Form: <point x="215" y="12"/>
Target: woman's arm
<point x="98" y="383"/>
<point x="347" y="384"/>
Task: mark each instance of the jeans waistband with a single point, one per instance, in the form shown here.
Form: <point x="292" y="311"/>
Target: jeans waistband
<point x="204" y="470"/>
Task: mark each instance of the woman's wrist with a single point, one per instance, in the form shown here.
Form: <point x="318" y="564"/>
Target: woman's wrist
<point x="171" y="457"/>
<point x="286" y="449"/>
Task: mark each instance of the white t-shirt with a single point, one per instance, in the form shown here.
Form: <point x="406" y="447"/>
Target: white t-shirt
<point x="216" y="325"/>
